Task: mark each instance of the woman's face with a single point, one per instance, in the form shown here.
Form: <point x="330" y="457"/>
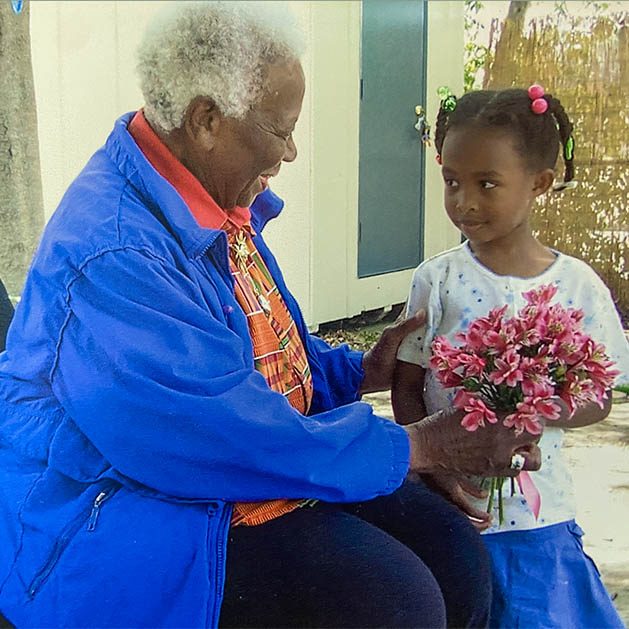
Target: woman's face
<point x="236" y="162"/>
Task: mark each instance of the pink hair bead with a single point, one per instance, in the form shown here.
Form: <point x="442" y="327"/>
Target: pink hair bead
<point x="539" y="106"/>
<point x="536" y="91"/>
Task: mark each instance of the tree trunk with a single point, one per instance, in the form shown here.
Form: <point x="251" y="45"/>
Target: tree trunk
<point x="21" y="200"/>
<point x="498" y="75"/>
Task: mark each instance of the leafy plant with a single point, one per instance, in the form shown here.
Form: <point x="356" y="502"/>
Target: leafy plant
<point x="475" y="54"/>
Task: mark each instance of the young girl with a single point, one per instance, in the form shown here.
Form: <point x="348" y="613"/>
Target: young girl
<point x="498" y="151"/>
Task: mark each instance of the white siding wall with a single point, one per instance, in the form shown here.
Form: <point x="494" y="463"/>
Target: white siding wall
<point x="337" y="290"/>
<point x="83" y="62"/>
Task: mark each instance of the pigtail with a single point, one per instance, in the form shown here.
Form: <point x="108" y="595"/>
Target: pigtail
<point x="440" y="128"/>
<point x="565" y="128"/>
<point x="446" y="106"/>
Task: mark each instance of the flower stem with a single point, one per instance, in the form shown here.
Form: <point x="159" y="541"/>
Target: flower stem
<point x="492" y="487"/>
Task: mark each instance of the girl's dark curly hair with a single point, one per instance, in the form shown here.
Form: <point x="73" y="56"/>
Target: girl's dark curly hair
<point x="537" y="136"/>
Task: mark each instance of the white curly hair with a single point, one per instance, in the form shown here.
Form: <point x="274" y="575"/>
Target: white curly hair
<point x="213" y="49"/>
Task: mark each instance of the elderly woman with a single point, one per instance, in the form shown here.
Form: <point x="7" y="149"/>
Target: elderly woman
<point x="175" y="448"/>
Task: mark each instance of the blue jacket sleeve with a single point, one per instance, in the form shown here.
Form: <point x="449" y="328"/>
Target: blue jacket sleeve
<point x="166" y="392"/>
<point x="341" y="367"/>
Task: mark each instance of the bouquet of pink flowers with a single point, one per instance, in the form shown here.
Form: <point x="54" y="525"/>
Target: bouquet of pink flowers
<point x="521" y="365"/>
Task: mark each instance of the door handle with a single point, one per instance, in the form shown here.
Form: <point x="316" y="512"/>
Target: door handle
<point x="422" y="126"/>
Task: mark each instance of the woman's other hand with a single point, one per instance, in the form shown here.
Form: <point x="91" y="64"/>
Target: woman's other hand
<point x="379" y="362"/>
<point x="439" y="443"/>
<point x="458" y="488"/>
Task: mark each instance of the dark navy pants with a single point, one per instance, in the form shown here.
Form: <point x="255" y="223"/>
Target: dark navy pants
<point x="409" y="559"/>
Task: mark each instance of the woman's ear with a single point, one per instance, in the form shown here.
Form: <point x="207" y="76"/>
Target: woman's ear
<point x="202" y="121"/>
<point x="543" y="181"/>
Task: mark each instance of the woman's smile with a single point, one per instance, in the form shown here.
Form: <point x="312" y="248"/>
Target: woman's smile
<point x="264" y="177"/>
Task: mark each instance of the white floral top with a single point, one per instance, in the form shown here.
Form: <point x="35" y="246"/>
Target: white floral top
<point x="455" y="288"/>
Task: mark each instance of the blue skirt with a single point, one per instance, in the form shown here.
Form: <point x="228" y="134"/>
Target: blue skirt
<point x="543" y="579"/>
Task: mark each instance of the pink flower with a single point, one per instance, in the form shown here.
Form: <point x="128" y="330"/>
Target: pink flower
<point x="473" y="365"/>
<point x="476" y="411"/>
<point x="530" y="337"/>
<point x="475" y="338"/>
<point x="560" y="324"/>
<point x="507" y="369"/>
<point x="444" y="361"/>
<point x="536" y="381"/>
<point x="541" y="295"/>
<point x="546" y="408"/>
<point x="450" y="378"/>
<point x="524" y="421"/>
<point x="529" y="412"/>
<point x="444" y="356"/>
<point x="537" y="386"/>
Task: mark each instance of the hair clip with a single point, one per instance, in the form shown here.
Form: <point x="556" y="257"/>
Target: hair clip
<point x="539" y="104"/>
<point x="565" y="185"/>
<point x="447" y="98"/>
<point x="568" y="149"/>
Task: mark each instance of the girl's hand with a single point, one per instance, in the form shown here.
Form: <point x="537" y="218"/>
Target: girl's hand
<point x="457" y="488"/>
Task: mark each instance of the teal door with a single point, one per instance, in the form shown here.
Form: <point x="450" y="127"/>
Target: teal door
<point x="393" y="79"/>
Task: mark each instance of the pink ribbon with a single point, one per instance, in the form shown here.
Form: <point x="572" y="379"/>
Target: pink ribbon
<point x="530" y="492"/>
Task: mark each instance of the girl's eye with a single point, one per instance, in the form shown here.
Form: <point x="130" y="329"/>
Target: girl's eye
<point x="487" y="185"/>
<point x="451" y="183"/>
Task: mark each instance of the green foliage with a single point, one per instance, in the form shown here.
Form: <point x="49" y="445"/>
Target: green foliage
<point x="475" y="55"/>
<point x="475" y="58"/>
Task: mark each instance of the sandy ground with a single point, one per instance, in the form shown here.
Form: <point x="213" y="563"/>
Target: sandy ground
<point x="599" y="457"/>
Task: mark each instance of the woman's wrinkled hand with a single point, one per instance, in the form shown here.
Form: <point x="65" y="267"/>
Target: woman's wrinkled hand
<point x="458" y="488"/>
<point x="379" y="361"/>
<point x="440" y="443"/>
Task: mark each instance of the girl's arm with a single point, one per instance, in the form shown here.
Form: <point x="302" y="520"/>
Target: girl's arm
<point x="584" y="416"/>
<point x="407" y="393"/>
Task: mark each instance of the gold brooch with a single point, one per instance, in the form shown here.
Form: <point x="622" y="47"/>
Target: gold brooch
<point x="241" y="251"/>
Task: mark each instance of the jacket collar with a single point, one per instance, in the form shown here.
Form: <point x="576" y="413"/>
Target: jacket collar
<point x="164" y="200"/>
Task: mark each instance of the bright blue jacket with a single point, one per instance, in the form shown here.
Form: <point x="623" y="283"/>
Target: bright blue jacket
<point x="131" y="414"/>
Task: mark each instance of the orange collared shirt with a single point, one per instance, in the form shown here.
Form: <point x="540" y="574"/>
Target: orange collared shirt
<point x="279" y="354"/>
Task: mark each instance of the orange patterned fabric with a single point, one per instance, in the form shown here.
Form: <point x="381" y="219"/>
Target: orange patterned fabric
<point x="279" y="353"/>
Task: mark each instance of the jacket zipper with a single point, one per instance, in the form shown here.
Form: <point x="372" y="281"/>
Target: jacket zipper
<point x="222" y="529"/>
<point x="96" y="506"/>
<point x="67" y="536"/>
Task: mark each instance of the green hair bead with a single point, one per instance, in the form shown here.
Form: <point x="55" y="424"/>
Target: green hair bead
<point x="447" y="98"/>
<point x="568" y="150"/>
<point x="449" y="104"/>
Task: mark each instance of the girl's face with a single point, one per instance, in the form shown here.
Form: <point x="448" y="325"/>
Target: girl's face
<point x="489" y="190"/>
